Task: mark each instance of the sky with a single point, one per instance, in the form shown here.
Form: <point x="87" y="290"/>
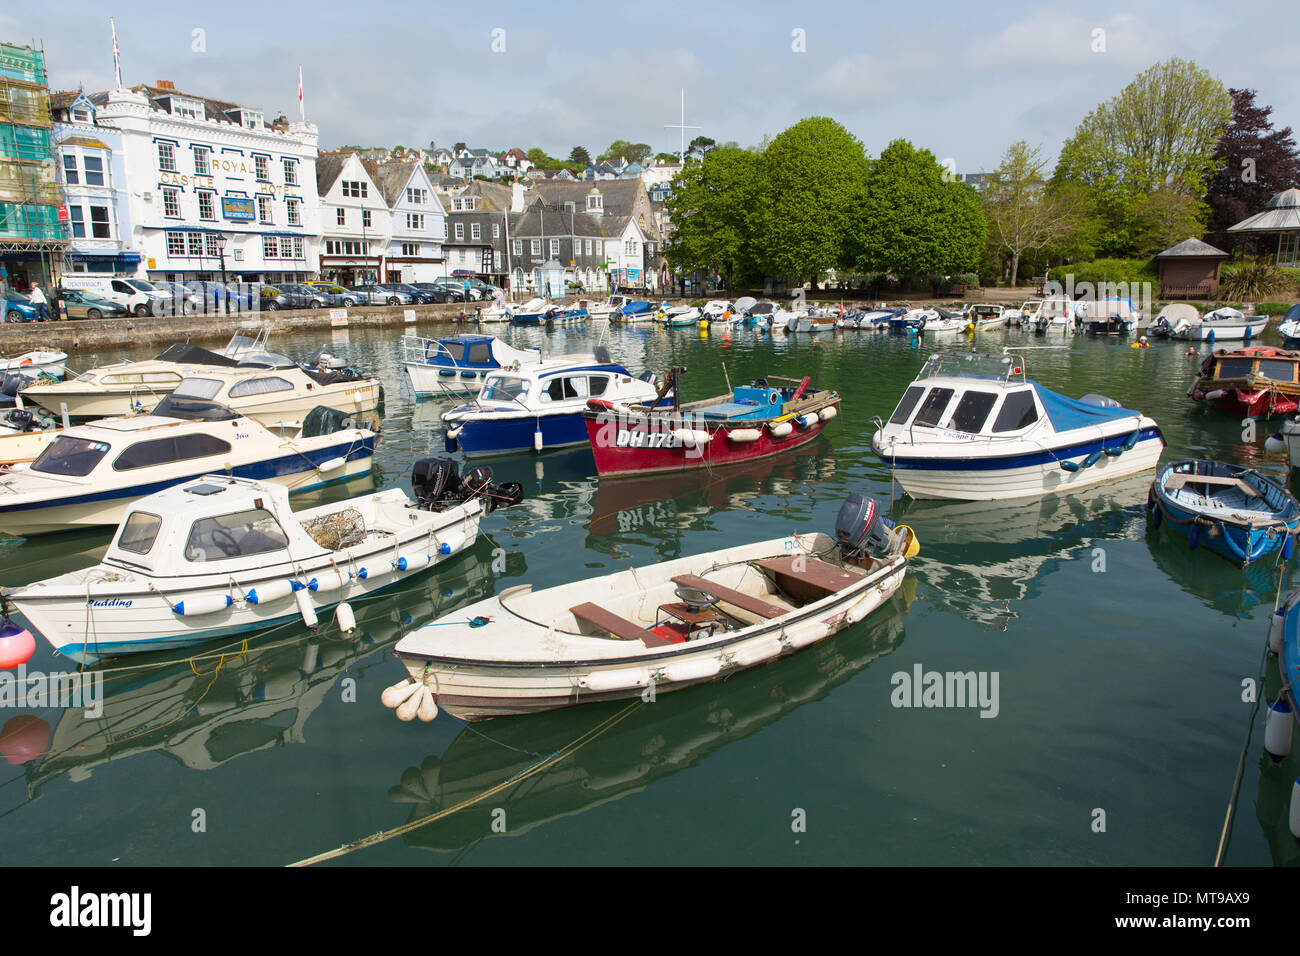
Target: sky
<point x="962" y="80"/>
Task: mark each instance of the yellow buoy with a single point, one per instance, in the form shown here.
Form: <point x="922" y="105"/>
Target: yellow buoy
<point x="913" y="546"/>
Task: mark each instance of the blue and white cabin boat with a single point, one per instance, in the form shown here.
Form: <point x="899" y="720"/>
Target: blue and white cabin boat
<point x="548" y="313"/>
<point x="540" y="406"/>
<point x="1235" y="512"/>
<point x="457" y="365"/>
<point x="973" y="427"/>
<point x="1107" y="316"/>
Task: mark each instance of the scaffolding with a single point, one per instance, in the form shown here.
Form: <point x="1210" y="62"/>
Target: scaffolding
<point x="30" y="198"/>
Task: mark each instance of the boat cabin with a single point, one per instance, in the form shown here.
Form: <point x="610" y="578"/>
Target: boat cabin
<point x="968" y="395"/>
<point x="465" y="356"/>
<point x="1252" y="366"/>
<point x="559" y="380"/>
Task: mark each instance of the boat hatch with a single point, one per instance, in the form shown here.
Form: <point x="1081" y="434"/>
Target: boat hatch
<point x="205" y="489"/>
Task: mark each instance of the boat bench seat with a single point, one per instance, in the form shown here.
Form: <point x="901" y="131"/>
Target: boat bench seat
<point x="620" y="627"/>
<point x="746" y="602"/>
<point x="812" y="581"/>
<point x="1177" y="481"/>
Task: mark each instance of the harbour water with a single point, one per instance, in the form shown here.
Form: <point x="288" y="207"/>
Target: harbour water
<point x="1117" y="655"/>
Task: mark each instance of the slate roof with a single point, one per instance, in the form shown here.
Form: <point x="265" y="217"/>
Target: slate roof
<point x="538" y="220"/>
<point x="391" y="178"/>
<point x="1282" y="214"/>
<point x="328" y="168"/>
<point x="1192" y="248"/>
<point x="618" y="198"/>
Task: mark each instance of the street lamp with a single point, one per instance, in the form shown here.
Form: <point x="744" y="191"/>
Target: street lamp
<point x="225" y="292"/>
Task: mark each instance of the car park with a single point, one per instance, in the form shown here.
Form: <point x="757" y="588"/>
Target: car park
<point x="290" y="295"/>
<point x="337" y="294"/>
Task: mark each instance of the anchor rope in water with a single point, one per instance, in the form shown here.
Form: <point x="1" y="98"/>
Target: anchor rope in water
<point x="385" y="835"/>
<point x="1226" y="835"/>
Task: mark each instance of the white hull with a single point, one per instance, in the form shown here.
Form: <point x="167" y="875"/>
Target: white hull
<point x="36" y="363"/>
<point x="426" y="382"/>
<point x="25" y="446"/>
<point x="1222" y="333"/>
<point x="510" y="666"/>
<point x="101" y="402"/>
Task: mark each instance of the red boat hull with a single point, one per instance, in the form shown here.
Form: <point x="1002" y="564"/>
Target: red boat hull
<point x="1262" y="403"/>
<point x="640" y="445"/>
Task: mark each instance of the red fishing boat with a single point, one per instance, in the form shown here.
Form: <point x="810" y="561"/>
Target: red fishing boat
<point x="754" y="421"/>
<point x="1254" y="382"/>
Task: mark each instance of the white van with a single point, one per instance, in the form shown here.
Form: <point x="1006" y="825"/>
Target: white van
<point x="136" y="294"/>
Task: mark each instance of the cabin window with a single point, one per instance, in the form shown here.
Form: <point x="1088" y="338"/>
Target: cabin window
<point x="904" y="409"/>
<point x="933" y="407"/>
<point x="560" y="389"/>
<point x="204" y="388"/>
<point x="972" y="412"/>
<point x="139" y="532"/>
<point x="259" y="386"/>
<point x="1236" y="368"/>
<point x="1018" y="411"/>
<point x="498" y="389"/>
<point x="70" y="456"/>
<point x="239" y="535"/>
<point x="455" y="350"/>
<point x="598" y="384"/>
<point x="1277" y="371"/>
<point x="480" y="353"/>
<point x="162" y="451"/>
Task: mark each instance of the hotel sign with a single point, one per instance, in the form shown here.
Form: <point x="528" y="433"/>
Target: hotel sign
<point x="237" y="209"/>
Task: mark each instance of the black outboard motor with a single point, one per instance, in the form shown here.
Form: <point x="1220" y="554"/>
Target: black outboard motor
<point x="20" y="419"/>
<point x="478" y="483"/>
<point x="433" y="479"/>
<point x="861" y="529"/>
<point x="437" y="484"/>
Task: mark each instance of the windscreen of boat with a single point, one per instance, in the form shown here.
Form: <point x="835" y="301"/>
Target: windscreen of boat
<point x="76" y="457"/>
<point x="502" y="388"/>
<point x="1235" y="368"/>
<point x="454" y="350"/>
<point x="1018" y="411"/>
<point x="240" y="535"/>
<point x="198" y="388"/>
<point x="906" y="404"/>
<point x="139" y="532"/>
<point x="193" y="409"/>
<point x="1277" y="370"/>
<point x="933" y="407"/>
<point x="972" y="412"/>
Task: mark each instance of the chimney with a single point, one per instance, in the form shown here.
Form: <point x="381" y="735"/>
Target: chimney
<point x="166" y="85"/>
<point x="517" y="197"/>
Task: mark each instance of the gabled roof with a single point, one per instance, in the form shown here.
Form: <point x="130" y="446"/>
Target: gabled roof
<point x="328" y="168"/>
<point x="618" y="196"/>
<point x="84" y="141"/>
<point x="538" y="220"/>
<point x="392" y="178"/>
<point x="1192" y="248"/>
<point x="494" y="197"/>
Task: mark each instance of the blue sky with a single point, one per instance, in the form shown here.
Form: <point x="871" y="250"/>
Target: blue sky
<point x="962" y="80"/>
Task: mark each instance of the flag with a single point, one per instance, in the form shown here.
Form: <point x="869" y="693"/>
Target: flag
<point x="117" y="63"/>
<point x="302" y="110"/>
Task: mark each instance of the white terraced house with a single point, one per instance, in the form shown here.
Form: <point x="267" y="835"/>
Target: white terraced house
<point x="356" y="225"/>
<point x="418" y="223"/>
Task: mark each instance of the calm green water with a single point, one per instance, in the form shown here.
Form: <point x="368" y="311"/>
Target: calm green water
<point x="1120" y="657"/>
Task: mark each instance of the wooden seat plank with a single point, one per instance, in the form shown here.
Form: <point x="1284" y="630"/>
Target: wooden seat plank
<point x="814" y="573"/>
<point x="746" y="602"/>
<point x="620" y="627"/>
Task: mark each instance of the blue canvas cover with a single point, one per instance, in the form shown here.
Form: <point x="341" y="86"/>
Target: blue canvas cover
<point x="1069" y="413"/>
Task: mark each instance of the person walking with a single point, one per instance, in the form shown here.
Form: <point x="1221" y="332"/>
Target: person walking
<point x="40" y="303"/>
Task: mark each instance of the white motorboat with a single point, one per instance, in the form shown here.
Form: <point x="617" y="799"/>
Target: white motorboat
<point x="815" y="320"/>
<point x="1177" y="315"/>
<point x="222" y="555"/>
<point x="1221" y="325"/>
<point x="983" y="317"/>
<point x="24" y="433"/>
<point x="972" y="426"/>
<point x="274" y="394"/>
<point x="716" y="309"/>
<point x="1052" y="314"/>
<point x="35" y="364"/>
<point x="90" y="473"/>
<point x="678" y="316"/>
<point x="457" y="365"/>
<point x="663" y="626"/>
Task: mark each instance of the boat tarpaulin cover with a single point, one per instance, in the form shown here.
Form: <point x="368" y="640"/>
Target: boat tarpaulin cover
<point x="324" y="421"/>
<point x="1067" y="413"/>
<point x="183" y="352"/>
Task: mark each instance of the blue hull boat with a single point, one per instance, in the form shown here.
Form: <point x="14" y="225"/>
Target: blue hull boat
<point x="1237" y="513"/>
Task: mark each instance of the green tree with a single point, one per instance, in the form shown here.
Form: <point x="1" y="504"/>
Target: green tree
<point x="700" y="145"/>
<point x="913" y="220"/>
<point x="811" y="176"/>
<point x="580" y="156"/>
<point x="1165" y="219"/>
<point x="710" y="207"/>
<point x="1023" y="214"/>
<point x="622" y="149"/>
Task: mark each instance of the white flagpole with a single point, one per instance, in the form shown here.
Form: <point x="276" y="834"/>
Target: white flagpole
<point x="302" y="109"/>
<point x="117" y="63"/>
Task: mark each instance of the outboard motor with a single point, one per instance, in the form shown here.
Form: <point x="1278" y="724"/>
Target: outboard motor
<point x="437" y="484"/>
<point x="478" y="484"/>
<point x="433" y="479"/>
<point x="862" y="530"/>
<point x="20" y="419"/>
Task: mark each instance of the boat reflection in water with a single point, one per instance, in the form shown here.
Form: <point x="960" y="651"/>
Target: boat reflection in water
<point x="651" y="742"/>
<point x="631" y="510"/>
<point x="208" y="709"/>
<point x="981" y="557"/>
<point x="1204" y="575"/>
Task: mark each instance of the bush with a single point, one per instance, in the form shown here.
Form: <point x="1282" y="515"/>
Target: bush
<point x="1132" y="271"/>
<point x="1252" y="279"/>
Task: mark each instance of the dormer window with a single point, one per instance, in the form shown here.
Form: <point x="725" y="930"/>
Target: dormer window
<point x="595" y="201"/>
<point x="186" y="109"/>
<point x="82" y="116"/>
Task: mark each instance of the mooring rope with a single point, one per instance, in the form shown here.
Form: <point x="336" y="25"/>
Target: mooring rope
<point x="384" y="835"/>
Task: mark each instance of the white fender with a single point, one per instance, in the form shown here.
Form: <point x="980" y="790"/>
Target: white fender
<point x="412" y="561"/>
<point x="807" y="420"/>
<point x="693" y="670"/>
<point x="333" y="464"/>
<point x="377" y="568"/>
<point x="1277" y="730"/>
<point x="407" y="710"/>
<point x="826" y="414"/>
<point x="269" y="591"/>
<point x="328" y="581"/>
<point x="428" y="708"/>
<point x="1214" y="395"/>
<point x="1275" y="626"/>
<point x="1294" y="819"/>
<point x="303" y="597"/>
<point x="347" y="621"/>
<point x="780" y="429"/>
<point x="808" y="634"/>
<point x="760" y="650"/>
<point x="452" y="543"/>
<point x="394" y="695"/>
<point x="743" y="436"/>
<point x="691" y="437"/>
<point x="615" y="679"/>
<point x="202" y="604"/>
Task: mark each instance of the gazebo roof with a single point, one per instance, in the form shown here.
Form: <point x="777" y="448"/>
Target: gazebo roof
<point x="1282" y="214"/>
<point x="1192" y="248"/>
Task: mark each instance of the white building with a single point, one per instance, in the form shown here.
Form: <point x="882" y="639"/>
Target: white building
<point x="418" y="224"/>
<point x="356" y="225"/>
<point x="199" y="169"/>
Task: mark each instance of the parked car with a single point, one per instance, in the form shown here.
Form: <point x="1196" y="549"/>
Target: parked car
<point x="79" y="304"/>
<point x="184" y="298"/>
<point x="290" y="295"/>
<point x="461" y="285"/>
<point x="18" y="308"/>
<point x="136" y="294"/>
<point x="417" y="294"/>
<point x="485" y="289"/>
<point x="441" y="293"/>
<point x="383" y="294"/>
<point x="338" y="295"/>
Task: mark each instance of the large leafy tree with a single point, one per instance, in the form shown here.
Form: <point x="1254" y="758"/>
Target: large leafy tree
<point x="710" y="207"/>
<point x="1256" y="160"/>
<point x="811" y="178"/>
<point x="580" y="156"/>
<point x="913" y="219"/>
<point x="632" y="152"/>
<point x="1023" y="214"/>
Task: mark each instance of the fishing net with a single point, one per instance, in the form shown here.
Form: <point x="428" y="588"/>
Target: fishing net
<point x="337" y="530"/>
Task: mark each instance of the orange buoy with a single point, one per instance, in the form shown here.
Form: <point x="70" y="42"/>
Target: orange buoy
<point x="16" y="644"/>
